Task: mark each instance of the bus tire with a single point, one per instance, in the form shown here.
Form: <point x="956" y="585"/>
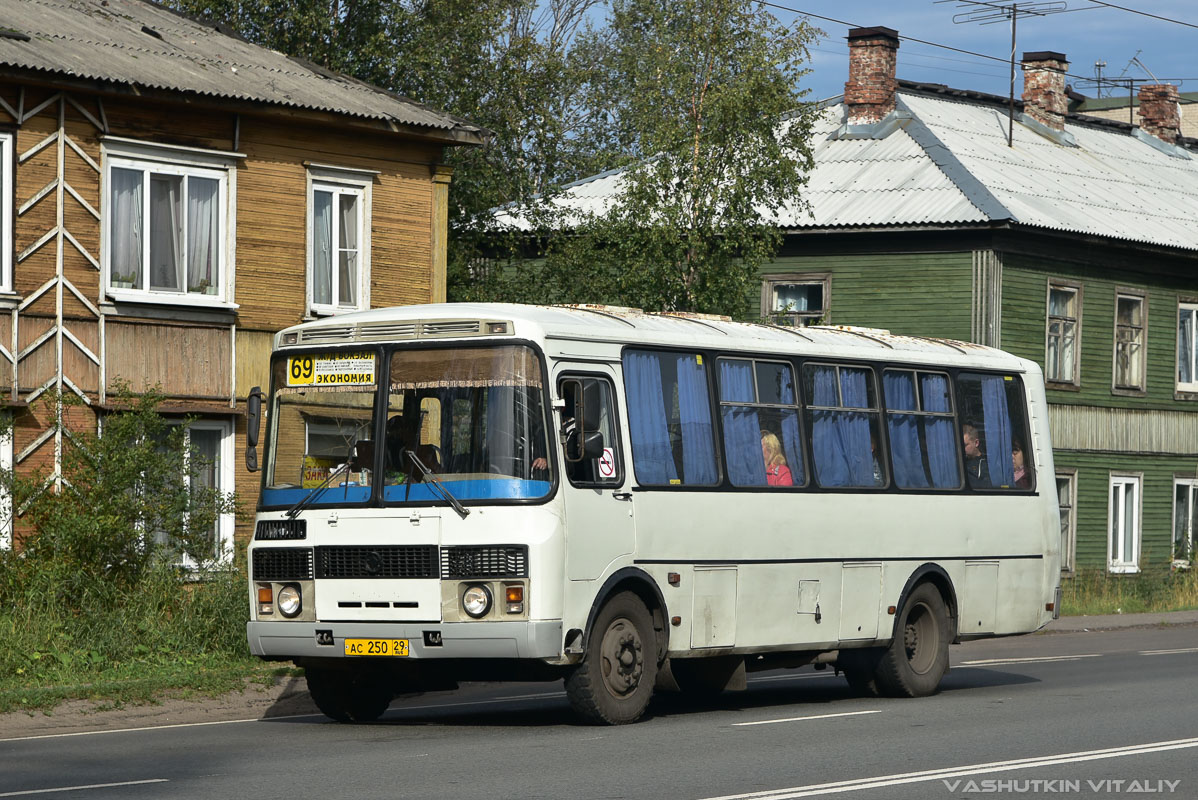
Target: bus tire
<point x="349" y="696"/>
<point x="614" y="681"/>
<point x="917" y="658"/>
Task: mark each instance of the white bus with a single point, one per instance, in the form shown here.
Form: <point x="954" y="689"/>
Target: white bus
<point x="618" y="498"/>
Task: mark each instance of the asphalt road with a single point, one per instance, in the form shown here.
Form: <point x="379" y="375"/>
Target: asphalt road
<point x="1097" y="714"/>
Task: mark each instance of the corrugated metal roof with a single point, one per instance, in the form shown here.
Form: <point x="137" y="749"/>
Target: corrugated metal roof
<point x="143" y="45"/>
<point x="945" y="161"/>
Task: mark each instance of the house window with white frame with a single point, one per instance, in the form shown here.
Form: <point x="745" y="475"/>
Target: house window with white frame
<point x="7" y="163"/>
<point x="338" y="240"/>
<point x="1130" y="341"/>
<point x="167" y="221"/>
<point x="1066" y="502"/>
<point x="802" y="299"/>
<point x="1187" y="347"/>
<point x="1123" y="524"/>
<point x="1185" y="498"/>
<point x="1062" y="335"/>
<point x="209" y="447"/>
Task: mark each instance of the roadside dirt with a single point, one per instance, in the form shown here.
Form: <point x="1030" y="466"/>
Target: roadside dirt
<point x="288" y="697"/>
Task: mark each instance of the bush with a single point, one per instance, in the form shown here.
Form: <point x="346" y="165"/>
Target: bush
<point x="116" y="574"/>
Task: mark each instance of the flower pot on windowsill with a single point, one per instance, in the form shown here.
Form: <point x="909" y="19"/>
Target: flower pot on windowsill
<point x="121" y="283"/>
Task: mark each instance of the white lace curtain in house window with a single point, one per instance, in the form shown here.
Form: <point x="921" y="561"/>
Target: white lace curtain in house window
<point x="322" y="248"/>
<point x="126" y="239"/>
<point x="203" y="231"/>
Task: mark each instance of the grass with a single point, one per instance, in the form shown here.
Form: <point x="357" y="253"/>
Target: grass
<point x="164" y="635"/>
<point x="1092" y="592"/>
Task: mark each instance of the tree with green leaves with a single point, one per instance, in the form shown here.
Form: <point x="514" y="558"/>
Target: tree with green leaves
<point x="706" y="108"/>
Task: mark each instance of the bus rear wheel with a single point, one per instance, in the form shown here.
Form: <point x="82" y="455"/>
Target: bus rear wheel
<point x="917" y="658"/>
<point x="349" y="696"/>
<point x="614" y="681"/>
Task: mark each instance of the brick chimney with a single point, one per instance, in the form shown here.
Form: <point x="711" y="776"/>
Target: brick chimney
<point x="1160" y="113"/>
<point x="869" y="93"/>
<point x="1044" y="97"/>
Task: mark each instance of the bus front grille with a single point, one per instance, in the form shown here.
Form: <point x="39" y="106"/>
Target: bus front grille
<point x="493" y="561"/>
<point x="406" y="561"/>
<point x="282" y="564"/>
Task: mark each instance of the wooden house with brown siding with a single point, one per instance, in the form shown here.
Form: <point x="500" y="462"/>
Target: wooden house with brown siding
<point x="171" y="195"/>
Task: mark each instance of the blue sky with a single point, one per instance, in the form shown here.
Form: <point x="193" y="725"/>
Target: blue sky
<point x="1084" y="36"/>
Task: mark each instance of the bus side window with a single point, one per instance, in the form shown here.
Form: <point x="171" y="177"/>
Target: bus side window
<point x="843" y="416"/>
<point x="600" y="418"/>
<point x="760" y="414"/>
<point x="923" y="435"/>
<point x="670" y="419"/>
<point x="994" y="431"/>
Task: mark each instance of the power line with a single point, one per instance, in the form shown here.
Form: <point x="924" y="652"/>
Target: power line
<point x="999" y="59"/>
<point x="1144" y="13"/>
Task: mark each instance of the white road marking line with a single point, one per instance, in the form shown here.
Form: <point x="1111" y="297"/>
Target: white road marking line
<point x="802" y="719"/>
<point x="1169" y="652"/>
<point x="79" y="788"/>
<point x="924" y="776"/>
<point x="1033" y="660"/>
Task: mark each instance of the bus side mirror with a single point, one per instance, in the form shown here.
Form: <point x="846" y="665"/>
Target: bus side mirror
<point x="592" y="444"/>
<point x="253" y="410"/>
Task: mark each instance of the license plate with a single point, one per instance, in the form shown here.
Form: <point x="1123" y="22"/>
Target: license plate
<point x="376" y="647"/>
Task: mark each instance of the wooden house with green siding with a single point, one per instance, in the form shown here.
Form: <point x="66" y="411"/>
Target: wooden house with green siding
<point x="171" y="195"/>
<point x="1063" y="239"/>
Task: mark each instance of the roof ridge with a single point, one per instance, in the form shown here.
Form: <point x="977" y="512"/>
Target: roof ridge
<point x="969" y="185"/>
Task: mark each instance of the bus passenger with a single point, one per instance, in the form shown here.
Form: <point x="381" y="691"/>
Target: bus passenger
<point x="1022" y="480"/>
<point x="776" y="471"/>
<point x="975" y="460"/>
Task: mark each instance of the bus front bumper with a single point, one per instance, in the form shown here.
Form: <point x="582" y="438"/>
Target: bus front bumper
<point x="524" y="639"/>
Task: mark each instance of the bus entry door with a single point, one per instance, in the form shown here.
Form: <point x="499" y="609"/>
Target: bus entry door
<point x="599" y="525"/>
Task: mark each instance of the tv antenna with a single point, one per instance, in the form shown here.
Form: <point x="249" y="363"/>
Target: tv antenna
<point x="1099" y="66"/>
<point x="986" y="13"/>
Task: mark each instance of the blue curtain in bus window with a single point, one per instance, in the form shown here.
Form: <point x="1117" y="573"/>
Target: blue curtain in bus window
<point x="651" y="455"/>
<point x="939" y="433"/>
<point x="742" y="429"/>
<point x="840" y="439"/>
<point x="791" y="440"/>
<point x="998" y="431"/>
<point x="854" y="388"/>
<point x="906" y="451"/>
<point x="694" y="409"/>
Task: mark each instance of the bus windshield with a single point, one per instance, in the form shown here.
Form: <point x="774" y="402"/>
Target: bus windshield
<point x="473" y="417"/>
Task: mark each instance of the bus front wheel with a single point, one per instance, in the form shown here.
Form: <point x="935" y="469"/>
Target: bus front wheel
<point x="613" y="682"/>
<point x="917" y="658"/>
<point x="346" y="696"/>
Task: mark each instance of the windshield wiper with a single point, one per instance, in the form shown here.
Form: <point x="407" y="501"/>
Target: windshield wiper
<point x="463" y="512"/>
<point x="308" y="499"/>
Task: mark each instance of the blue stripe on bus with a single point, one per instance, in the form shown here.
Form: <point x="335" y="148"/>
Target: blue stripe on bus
<point x="331" y="494"/>
<point x="487" y="489"/>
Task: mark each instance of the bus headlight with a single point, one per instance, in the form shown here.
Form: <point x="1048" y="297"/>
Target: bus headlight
<point x="476" y="600"/>
<point x="289" y="601"/>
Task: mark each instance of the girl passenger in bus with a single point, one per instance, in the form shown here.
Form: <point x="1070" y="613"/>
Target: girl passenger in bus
<point x="776" y="471"/>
